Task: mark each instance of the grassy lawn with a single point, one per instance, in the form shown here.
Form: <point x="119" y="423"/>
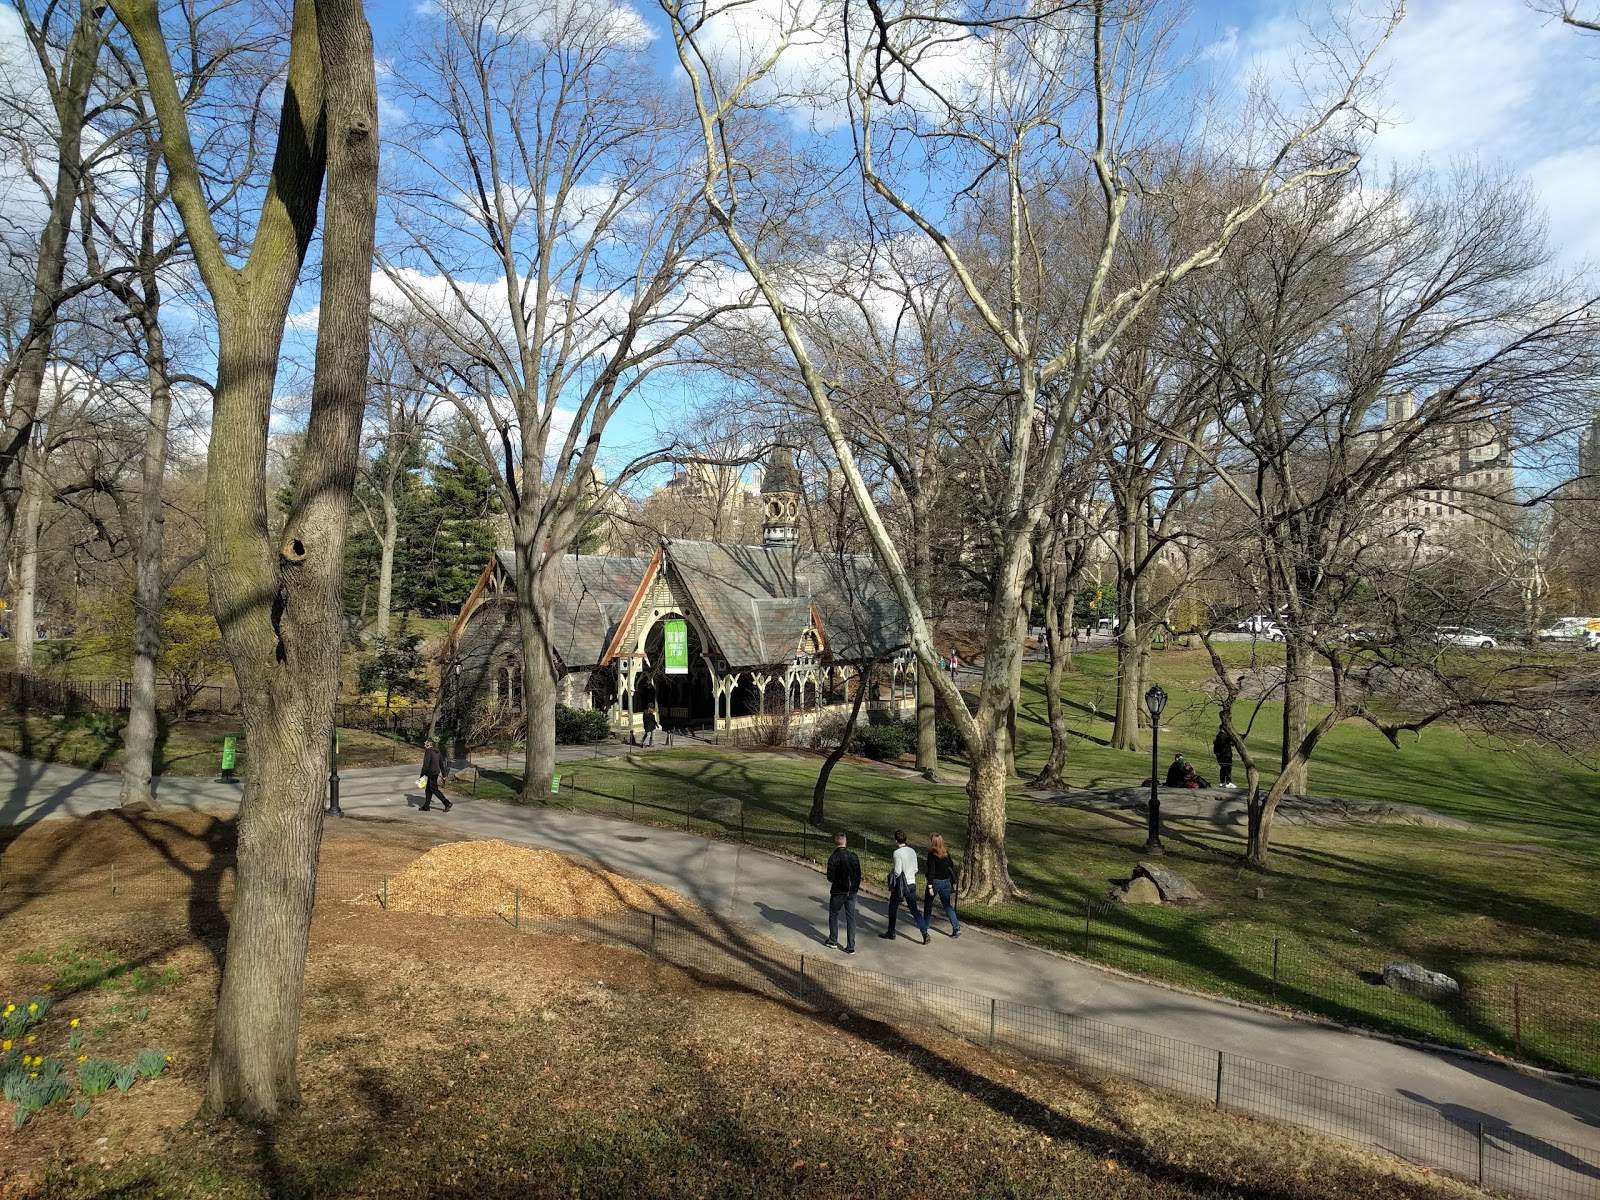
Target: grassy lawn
<point x="189" y="747"/>
<point x="1502" y="907"/>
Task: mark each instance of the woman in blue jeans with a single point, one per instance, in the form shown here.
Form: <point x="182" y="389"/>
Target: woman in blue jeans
<point x="941" y="877"/>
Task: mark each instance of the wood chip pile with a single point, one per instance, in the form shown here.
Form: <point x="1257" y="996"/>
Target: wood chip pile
<point x="475" y="879"/>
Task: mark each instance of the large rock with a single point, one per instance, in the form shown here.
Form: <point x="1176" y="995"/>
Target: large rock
<point x="1139" y="890"/>
<point x="1174" y="888"/>
<point x="1415" y="980"/>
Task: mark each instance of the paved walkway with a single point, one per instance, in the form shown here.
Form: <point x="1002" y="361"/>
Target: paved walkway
<point x="786" y="901"/>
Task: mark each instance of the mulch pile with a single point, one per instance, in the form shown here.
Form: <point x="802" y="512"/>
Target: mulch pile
<point x="475" y="879"/>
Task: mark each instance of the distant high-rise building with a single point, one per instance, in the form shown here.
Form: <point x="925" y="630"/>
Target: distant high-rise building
<point x="1459" y="480"/>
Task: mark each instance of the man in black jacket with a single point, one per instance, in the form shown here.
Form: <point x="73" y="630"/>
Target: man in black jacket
<point x="844" y="881"/>
<point x="432" y="768"/>
<point x="1222" y="747"/>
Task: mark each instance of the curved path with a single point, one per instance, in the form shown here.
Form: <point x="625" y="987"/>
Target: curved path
<point x="786" y="902"/>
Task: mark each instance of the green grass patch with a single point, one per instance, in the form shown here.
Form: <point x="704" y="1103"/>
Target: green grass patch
<point x="1501" y="907"/>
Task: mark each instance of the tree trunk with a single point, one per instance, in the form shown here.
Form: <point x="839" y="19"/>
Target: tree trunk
<point x="985" y="870"/>
<point x="1295" y="718"/>
<point x="149" y="584"/>
<point x="819" y="793"/>
<point x="922" y="583"/>
<point x="1130" y="681"/>
<point x="25" y="595"/>
<point x="538" y="672"/>
<point x="1059" y="646"/>
<point x="390" y="535"/>
<point x="280" y="612"/>
<point x="70" y="98"/>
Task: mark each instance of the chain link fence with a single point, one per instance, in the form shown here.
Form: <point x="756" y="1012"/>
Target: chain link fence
<point x="1464" y="1143"/>
<point x="1250" y="962"/>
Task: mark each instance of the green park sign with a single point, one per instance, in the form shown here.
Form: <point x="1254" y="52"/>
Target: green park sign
<point x="676" y="634"/>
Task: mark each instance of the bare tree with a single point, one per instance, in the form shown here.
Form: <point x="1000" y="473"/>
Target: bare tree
<point x="546" y="148"/>
<point x="1058" y="95"/>
<point x="278" y="605"/>
<point x="1339" y="309"/>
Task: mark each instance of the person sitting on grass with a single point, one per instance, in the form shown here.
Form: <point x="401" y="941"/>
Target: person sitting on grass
<point x="1191" y="777"/>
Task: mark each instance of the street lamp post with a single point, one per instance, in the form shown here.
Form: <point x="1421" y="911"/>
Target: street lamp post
<point x="333" y="764"/>
<point x="1154" y="701"/>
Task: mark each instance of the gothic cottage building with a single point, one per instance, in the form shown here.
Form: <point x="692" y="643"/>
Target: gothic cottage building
<point x="711" y="634"/>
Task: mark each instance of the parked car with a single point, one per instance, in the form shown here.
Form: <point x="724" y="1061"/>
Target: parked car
<point x="1563" y="629"/>
<point x="1262" y="626"/>
<point x="1462" y="635"/>
<point x="1591" y="639"/>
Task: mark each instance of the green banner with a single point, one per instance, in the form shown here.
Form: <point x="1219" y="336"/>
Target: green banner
<point x="555" y="783"/>
<point x="230" y="752"/>
<point x="676" y="634"/>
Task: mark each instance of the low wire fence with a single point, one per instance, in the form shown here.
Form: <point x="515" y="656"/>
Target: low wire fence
<point x="1468" y="1144"/>
<point x="1253" y="962"/>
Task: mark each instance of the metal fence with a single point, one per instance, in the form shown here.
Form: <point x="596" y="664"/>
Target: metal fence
<point x="23" y="690"/>
<point x="1253" y="963"/>
<point x="1460" y="1142"/>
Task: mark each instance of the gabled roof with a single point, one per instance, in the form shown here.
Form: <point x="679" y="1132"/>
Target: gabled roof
<point x="758" y="601"/>
<point x="592" y="592"/>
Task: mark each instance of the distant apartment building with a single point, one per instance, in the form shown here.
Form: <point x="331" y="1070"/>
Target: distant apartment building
<point x="1457" y="484"/>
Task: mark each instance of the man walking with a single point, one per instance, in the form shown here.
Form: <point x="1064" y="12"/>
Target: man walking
<point x="432" y="768"/>
<point x="903" y="886"/>
<point x="650" y="724"/>
<point x="844" y="881"/>
<point x="1222" y="747"/>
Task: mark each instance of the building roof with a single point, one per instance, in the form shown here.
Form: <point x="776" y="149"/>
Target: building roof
<point x="592" y="593"/>
<point x="756" y="602"/>
<point x="780" y="474"/>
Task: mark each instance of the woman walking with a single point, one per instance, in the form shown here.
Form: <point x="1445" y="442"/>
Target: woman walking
<point x="941" y="877"/>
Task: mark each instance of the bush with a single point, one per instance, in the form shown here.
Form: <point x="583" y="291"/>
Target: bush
<point x="828" y="730"/>
<point x="576" y="726"/>
<point x="886" y="741"/>
<point x="950" y="741"/>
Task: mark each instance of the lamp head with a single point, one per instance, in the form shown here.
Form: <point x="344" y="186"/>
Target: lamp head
<point x="1155" y="700"/>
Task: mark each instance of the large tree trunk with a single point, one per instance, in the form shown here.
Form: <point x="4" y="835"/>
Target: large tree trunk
<point x="25" y="594"/>
<point x="538" y="672"/>
<point x="279" y="608"/>
<point x="149" y="584"/>
<point x="387" y="540"/>
<point x="985" y="870"/>
<point x="1295" y="716"/>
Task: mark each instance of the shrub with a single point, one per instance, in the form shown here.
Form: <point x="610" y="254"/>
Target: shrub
<point x="576" y="726"/>
<point x="126" y="1077"/>
<point x="97" y="1076"/>
<point x="886" y="741"/>
<point x="827" y="731"/>
<point x="951" y="744"/>
<point x="151" y="1063"/>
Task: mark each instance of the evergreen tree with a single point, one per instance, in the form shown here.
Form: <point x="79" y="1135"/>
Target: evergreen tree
<point x="451" y="530"/>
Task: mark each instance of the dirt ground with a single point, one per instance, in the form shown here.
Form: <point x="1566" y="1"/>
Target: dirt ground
<point x="444" y="1055"/>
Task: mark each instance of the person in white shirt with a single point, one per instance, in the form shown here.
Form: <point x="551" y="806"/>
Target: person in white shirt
<point x="903" y="886"/>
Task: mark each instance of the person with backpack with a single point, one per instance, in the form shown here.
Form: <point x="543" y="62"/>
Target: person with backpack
<point x="844" y="881"/>
<point x="1222" y="747"/>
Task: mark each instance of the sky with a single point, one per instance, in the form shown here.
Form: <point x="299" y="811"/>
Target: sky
<point x="1493" y="80"/>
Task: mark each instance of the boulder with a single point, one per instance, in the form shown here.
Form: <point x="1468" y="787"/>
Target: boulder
<point x="719" y="808"/>
<point x="1139" y="890"/>
<point x="1175" y="889"/>
<point x="1415" y="980"/>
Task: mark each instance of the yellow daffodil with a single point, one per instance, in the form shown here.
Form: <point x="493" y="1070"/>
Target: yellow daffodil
<point x="34" y="1007"/>
<point x="30" y="1038"/>
<point x="74" y="1022"/>
<point x="5" y="1045"/>
<point x="83" y="1057"/>
<point x="33" y="1074"/>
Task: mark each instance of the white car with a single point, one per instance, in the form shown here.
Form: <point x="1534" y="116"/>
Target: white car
<point x="1461" y="635"/>
<point x="1563" y="629"/>
<point x="1262" y="626"/>
<point x="1591" y="639"/>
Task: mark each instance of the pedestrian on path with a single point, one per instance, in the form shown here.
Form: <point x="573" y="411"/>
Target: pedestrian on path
<point x="844" y="881"/>
<point x="941" y="883"/>
<point x="650" y="724"/>
<point x="903" y="886"/>
<point x="432" y="768"/>
<point x="1222" y="747"/>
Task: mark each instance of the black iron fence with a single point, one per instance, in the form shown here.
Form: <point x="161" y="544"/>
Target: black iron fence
<point x="1470" y="1145"/>
<point x="1247" y="962"/>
